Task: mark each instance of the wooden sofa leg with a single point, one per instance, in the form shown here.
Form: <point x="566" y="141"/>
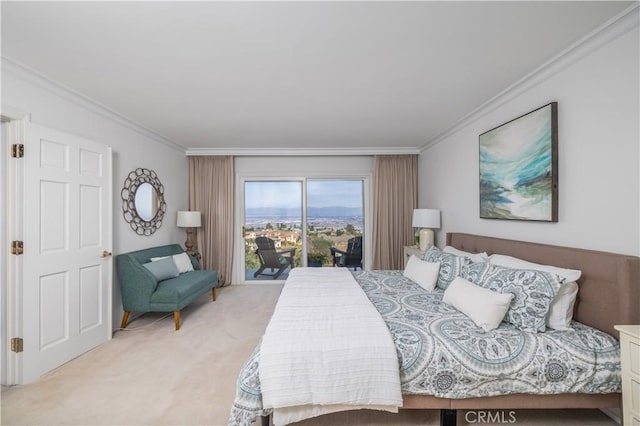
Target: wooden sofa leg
<point x="213" y="294"/>
<point x="125" y="319"/>
<point x="176" y="318"/>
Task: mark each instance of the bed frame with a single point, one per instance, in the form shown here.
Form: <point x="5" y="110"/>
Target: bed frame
<point x="609" y="291"/>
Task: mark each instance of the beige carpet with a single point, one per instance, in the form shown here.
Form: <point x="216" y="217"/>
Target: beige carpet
<point x="152" y="375"/>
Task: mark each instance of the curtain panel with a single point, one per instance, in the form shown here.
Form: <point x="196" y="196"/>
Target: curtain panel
<point x="211" y="193"/>
<point x="395" y="195"/>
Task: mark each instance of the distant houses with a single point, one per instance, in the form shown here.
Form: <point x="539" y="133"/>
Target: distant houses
<point x="278" y="237"/>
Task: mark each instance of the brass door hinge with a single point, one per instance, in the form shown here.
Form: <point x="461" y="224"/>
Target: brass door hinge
<point x="17" y="344"/>
<point x="17" y="150"/>
<point x="17" y="247"/>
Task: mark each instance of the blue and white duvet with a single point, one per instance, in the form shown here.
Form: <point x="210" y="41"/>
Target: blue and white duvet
<point x="442" y="352"/>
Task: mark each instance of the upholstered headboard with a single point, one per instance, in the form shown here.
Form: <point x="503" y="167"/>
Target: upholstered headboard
<point x="609" y="289"/>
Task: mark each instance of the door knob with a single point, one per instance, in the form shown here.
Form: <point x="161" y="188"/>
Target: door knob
<point x="106" y="253"/>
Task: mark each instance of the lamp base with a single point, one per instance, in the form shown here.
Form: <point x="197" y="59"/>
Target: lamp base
<point x="190" y="243"/>
<point x="426" y="238"/>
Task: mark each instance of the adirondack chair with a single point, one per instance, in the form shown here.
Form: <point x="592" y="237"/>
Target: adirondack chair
<point x="270" y="258"/>
<point x="352" y="257"/>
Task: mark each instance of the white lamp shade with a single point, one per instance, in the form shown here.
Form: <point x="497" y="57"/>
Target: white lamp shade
<point x="189" y="219"/>
<point x="426" y="218"/>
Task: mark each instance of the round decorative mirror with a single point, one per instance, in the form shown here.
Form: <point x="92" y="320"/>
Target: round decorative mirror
<point x="146" y="202"/>
<point x="143" y="204"/>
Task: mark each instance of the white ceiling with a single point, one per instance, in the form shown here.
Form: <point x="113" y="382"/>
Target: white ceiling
<point x="274" y="75"/>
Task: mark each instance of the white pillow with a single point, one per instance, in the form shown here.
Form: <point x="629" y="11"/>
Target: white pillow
<point x="561" y="308"/>
<point x="182" y="261"/>
<point x="475" y="257"/>
<point x="423" y="273"/>
<point x="486" y="308"/>
<point x="515" y="263"/>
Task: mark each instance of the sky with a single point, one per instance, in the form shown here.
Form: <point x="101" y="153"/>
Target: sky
<point x="288" y="194"/>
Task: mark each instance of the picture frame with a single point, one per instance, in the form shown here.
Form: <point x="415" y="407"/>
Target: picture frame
<point x="518" y="165"/>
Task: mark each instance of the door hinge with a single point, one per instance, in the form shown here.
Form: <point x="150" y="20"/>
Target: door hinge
<point x="17" y="150"/>
<point x="17" y="344"/>
<point x="17" y="247"/>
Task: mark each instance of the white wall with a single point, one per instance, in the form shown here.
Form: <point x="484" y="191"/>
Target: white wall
<point x="52" y="107"/>
<point x="599" y="183"/>
<point x="304" y="166"/>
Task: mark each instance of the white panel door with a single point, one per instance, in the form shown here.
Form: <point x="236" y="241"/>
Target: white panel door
<point x="67" y="264"/>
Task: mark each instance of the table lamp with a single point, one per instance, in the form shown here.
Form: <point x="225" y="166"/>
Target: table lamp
<point x="190" y="220"/>
<point x="426" y="219"/>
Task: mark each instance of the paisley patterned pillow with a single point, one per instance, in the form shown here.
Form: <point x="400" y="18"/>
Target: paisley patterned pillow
<point x="533" y="291"/>
<point x="450" y="265"/>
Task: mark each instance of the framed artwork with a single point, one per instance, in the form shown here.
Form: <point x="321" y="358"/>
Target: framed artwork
<point x="519" y="168"/>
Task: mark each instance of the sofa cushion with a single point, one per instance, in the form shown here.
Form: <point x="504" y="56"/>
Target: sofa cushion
<point x="145" y="255"/>
<point x="183" y="262"/>
<point x="162" y="269"/>
<point x="176" y="293"/>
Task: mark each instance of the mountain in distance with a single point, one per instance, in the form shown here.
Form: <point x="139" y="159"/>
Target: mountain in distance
<point x="330" y="211"/>
<point x="333" y="211"/>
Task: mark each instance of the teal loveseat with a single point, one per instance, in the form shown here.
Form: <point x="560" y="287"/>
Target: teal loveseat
<point x="141" y="291"/>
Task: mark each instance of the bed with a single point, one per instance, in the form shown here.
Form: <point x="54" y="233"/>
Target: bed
<point x="569" y="376"/>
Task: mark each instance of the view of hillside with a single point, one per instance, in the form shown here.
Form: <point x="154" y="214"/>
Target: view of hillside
<point x="331" y="220"/>
<point x="322" y="234"/>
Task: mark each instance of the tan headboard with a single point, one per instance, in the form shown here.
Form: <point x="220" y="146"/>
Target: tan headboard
<point x="609" y="289"/>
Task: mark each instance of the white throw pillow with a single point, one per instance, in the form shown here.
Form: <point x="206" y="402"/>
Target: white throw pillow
<point x="182" y="261"/>
<point x="423" y="273"/>
<point x="475" y="257"/>
<point x="561" y="308"/>
<point x="515" y="263"/>
<point x="486" y="308"/>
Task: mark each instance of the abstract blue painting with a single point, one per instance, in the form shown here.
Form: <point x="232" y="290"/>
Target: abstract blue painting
<point x="518" y="168"/>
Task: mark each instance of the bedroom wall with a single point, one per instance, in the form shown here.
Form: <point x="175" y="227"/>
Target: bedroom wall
<point x="51" y="106"/>
<point x="599" y="185"/>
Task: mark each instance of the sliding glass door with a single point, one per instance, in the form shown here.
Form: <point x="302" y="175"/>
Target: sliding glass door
<point x="272" y="209"/>
<point x="302" y="220"/>
<point x="334" y="215"/>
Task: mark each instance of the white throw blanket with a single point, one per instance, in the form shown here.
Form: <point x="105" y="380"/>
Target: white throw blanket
<point x="326" y="349"/>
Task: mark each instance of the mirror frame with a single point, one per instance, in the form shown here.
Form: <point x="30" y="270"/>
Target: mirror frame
<point x="128" y="194"/>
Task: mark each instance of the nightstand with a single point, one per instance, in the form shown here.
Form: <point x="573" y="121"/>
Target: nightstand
<point x="630" y="356"/>
<point x="411" y="250"/>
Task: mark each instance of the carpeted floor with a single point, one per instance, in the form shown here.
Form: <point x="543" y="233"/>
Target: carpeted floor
<point x="153" y="375"/>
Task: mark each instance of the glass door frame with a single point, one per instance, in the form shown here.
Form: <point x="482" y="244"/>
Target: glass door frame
<point x="238" y="273"/>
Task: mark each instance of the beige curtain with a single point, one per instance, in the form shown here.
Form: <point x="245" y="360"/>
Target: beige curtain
<point x="211" y="193"/>
<point x="395" y="195"/>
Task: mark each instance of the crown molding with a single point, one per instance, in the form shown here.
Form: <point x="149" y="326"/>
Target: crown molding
<point x="607" y="32"/>
<point x="301" y="152"/>
<point x="30" y="75"/>
<point x="617" y="26"/>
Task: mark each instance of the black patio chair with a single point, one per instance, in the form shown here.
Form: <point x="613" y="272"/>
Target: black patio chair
<point x="352" y="257"/>
<point x="270" y="258"/>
